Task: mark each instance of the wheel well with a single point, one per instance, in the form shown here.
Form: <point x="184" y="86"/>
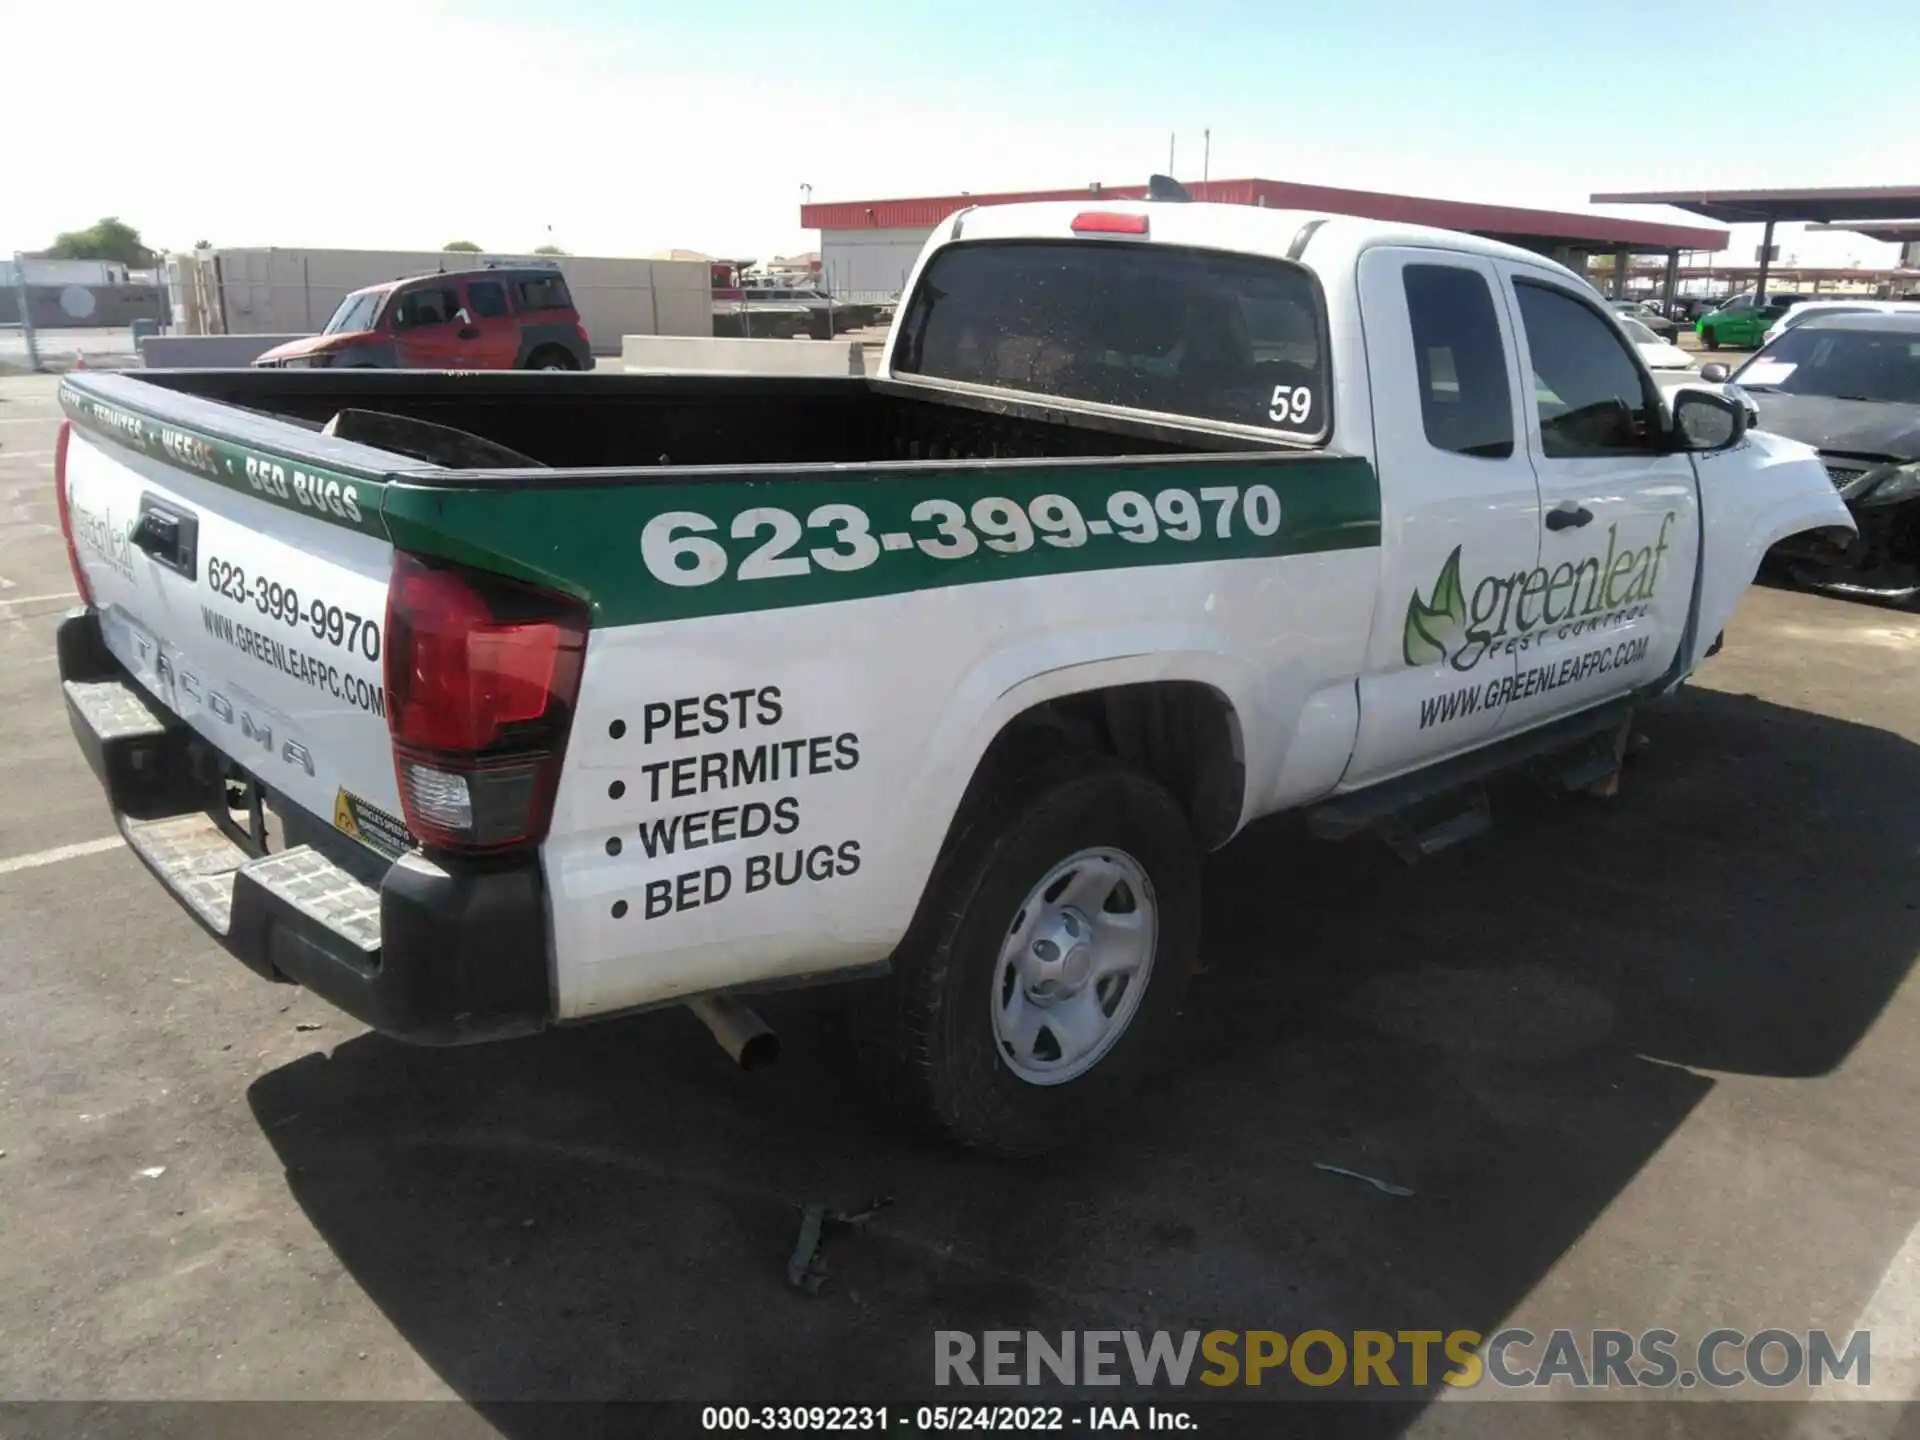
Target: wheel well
<point x="1182" y="733"/>
<point x="549" y="347"/>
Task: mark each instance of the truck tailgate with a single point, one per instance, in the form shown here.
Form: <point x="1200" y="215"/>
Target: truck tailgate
<point x="227" y="595"/>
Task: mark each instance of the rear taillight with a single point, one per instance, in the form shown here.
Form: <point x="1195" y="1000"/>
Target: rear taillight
<point x="481" y="675"/>
<point x="60" y="444"/>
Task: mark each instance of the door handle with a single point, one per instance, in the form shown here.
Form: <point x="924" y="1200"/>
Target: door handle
<point x="1568" y="516"/>
<point x="170" y="537"/>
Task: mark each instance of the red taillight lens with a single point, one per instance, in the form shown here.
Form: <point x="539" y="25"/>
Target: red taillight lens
<point x="65" y="509"/>
<point x="482" y="676"/>
<point x="1109" y="222"/>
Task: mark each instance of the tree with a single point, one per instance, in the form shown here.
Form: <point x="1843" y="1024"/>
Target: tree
<point x="203" y="244"/>
<point x="108" y="238"/>
<point x="465" y="247"/>
<point x="548" y="250"/>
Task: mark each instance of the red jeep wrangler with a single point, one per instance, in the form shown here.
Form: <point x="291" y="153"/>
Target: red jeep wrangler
<point x="504" y="318"/>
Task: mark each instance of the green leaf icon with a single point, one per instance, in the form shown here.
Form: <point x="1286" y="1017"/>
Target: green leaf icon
<point x="1435" y="624"/>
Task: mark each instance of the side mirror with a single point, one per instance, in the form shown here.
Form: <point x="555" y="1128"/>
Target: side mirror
<point x="1704" y="421"/>
<point x="1716" y="372"/>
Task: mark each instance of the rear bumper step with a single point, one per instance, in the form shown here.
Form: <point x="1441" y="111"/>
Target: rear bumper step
<point x="431" y="954"/>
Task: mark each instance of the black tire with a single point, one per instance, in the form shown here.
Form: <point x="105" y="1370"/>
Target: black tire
<point x="939" y="1031"/>
<point x="1709" y="338"/>
<point x="550" y="357"/>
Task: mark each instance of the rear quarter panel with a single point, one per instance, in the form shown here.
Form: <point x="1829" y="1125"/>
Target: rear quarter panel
<point x="762" y="770"/>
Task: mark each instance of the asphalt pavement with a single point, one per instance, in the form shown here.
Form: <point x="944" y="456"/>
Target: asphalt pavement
<point x="1645" y="1062"/>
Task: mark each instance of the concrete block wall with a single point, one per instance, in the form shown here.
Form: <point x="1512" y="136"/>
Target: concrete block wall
<point x="206" y="352"/>
<point x="711" y="355"/>
<point x="74" y="307"/>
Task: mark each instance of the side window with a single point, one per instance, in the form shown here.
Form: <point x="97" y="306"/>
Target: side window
<point x="425" y="307"/>
<point x="1465" y="401"/>
<point x="548" y="292"/>
<point x="1590" y="394"/>
<point x="488" y="298"/>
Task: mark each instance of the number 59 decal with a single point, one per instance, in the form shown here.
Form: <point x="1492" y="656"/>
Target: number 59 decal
<point x="1291" y="405"/>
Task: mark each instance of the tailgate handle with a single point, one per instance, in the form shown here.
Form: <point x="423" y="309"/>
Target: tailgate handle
<point x="169" y="534"/>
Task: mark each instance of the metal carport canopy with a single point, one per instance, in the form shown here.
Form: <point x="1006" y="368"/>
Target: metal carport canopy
<point x="1769" y="207"/>
<point x="1892" y="232"/>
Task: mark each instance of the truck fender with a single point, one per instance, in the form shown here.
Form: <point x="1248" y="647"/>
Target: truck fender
<point x="1010" y="682"/>
<point x="1752" y="497"/>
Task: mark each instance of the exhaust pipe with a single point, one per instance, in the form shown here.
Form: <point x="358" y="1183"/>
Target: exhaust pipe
<point x="741" y="1033"/>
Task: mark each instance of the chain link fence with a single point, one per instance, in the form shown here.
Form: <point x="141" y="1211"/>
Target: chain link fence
<point x="55" y="321"/>
<point x="20" y="329"/>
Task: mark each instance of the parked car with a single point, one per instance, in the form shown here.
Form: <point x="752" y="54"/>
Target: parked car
<point x="1741" y="323"/>
<point x="1849" y="385"/>
<point x="499" y="318"/>
<point x="1689" y="308"/>
<point x="1647" y="315"/>
<point x="1660" y="354"/>
<point x="579" y="698"/>
<point x="1807" y="309"/>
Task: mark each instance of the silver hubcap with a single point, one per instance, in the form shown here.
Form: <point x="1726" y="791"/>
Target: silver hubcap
<point x="1074" y="966"/>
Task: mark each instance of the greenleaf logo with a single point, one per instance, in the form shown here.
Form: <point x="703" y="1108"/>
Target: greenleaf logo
<point x="1436" y="625"/>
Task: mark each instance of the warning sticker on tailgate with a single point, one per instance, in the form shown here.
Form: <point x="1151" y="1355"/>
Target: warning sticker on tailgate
<point x="371" y="825"/>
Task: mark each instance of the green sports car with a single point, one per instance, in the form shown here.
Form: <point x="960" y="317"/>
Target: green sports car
<point x="1739" y="323"/>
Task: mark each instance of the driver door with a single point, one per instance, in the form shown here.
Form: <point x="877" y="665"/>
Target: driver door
<point x="498" y="345"/>
<point x="427" y="329"/>
<point x="1605" y="608"/>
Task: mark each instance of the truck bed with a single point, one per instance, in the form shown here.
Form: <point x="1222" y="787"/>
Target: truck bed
<point x="598" y="421"/>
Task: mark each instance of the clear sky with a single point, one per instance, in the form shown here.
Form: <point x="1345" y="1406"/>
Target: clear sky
<point x="627" y="127"/>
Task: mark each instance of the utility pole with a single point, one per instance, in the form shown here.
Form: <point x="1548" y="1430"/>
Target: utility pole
<point x="1170" y="139"/>
<point x="1206" y="155"/>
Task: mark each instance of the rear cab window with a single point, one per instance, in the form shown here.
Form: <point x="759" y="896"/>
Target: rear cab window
<point x="1198" y="334"/>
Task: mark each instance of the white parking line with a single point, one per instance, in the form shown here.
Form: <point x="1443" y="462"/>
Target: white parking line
<point x="39" y="599"/>
<point x="59" y="853"/>
<point x="1892" y="1315"/>
<point x="1892" y="1318"/>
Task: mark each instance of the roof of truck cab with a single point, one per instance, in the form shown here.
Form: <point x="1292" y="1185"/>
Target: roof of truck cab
<point x="1333" y="240"/>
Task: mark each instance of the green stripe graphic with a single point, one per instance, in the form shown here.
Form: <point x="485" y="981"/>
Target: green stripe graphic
<point x="339" y="497"/>
<point x="589" y="540"/>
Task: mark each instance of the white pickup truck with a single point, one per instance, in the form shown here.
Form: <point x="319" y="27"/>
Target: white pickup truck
<point x="479" y="703"/>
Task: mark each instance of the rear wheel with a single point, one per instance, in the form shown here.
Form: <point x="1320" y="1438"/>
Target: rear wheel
<point x="1049" y="960"/>
<point x="551" y="357"/>
<point x="1709" y="339"/>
